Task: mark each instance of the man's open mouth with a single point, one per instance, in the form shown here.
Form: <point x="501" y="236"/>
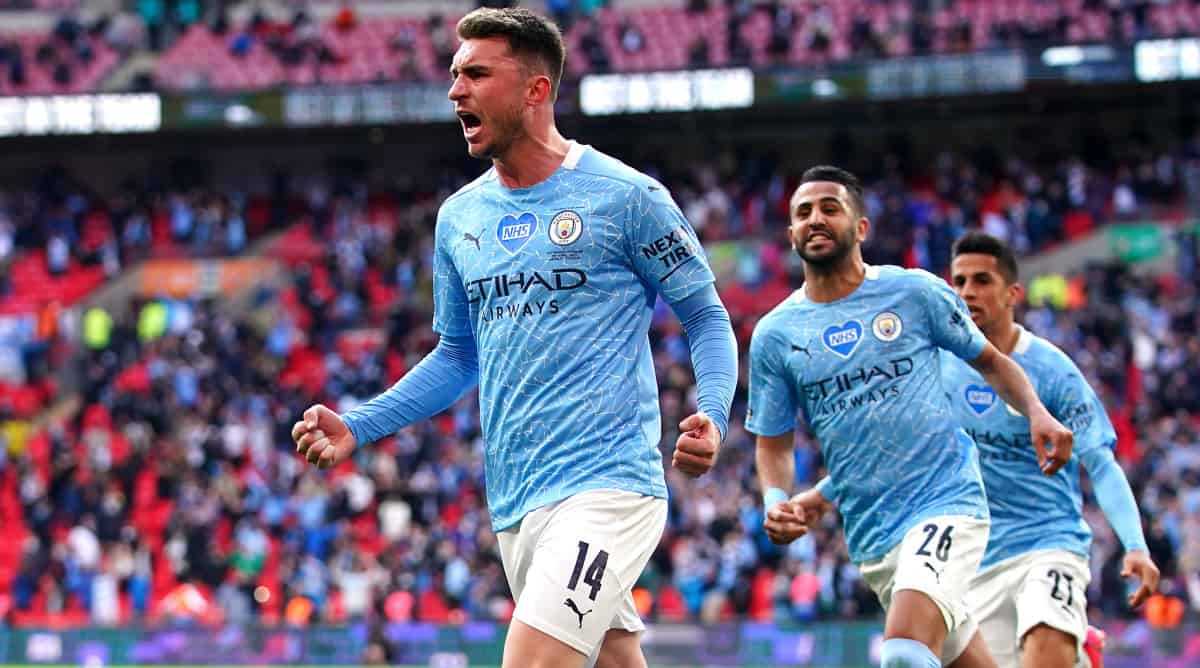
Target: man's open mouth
<point x="470" y="122"/>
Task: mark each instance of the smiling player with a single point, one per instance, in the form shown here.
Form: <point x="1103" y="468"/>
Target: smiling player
<point x="856" y="352"/>
<point x="546" y="271"/>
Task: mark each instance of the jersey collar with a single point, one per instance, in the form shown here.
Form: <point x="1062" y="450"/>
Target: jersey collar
<point x="571" y="161"/>
<point x="574" y="153"/>
<point x="871" y="274"/>
<point x="1024" y="338"/>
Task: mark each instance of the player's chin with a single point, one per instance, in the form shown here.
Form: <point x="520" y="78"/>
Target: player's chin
<point x="821" y="255"/>
<point x="478" y="150"/>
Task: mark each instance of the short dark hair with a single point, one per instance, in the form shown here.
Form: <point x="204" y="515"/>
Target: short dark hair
<point x="838" y="175"/>
<point x="986" y="244"/>
<point x="530" y="37"/>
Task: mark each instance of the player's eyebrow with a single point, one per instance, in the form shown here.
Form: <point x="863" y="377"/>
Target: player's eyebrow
<point x="468" y="69"/>
<point x="823" y="199"/>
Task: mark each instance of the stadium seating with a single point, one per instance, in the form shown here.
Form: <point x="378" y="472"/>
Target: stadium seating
<point x="363" y="54"/>
<point x="810" y="33"/>
<point x="84" y="75"/>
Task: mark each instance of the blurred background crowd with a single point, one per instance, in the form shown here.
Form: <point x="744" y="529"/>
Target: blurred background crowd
<point x="230" y="44"/>
<point x="171" y="487"/>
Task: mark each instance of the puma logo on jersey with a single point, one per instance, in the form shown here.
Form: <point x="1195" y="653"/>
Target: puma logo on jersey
<point x="467" y="236"/>
<point x="571" y="604"/>
<point x="801" y="349"/>
<point x="936" y="573"/>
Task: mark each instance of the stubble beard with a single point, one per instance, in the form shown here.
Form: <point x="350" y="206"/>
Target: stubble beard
<point x="828" y="262"/>
<point x="508" y="129"/>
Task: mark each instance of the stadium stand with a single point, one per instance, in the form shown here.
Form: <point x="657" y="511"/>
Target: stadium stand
<point x="72" y="58"/>
<point x="230" y="46"/>
<point x="346" y="48"/>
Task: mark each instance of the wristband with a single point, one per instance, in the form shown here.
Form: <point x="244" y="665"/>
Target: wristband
<point x="774" y="495"/>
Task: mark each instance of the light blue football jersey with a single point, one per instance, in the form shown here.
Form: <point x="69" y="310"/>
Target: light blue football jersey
<point x="557" y="283"/>
<point x="1029" y="510"/>
<point x="864" y="372"/>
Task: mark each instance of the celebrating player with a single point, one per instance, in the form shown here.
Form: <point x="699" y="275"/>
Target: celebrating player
<point x="1030" y="596"/>
<point x="547" y="269"/>
<point x="856" y="351"/>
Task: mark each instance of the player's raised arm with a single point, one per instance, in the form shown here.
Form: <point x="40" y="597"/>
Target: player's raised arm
<point x="668" y="257"/>
<point x="1074" y="402"/>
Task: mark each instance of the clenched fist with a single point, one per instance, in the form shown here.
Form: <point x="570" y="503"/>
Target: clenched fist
<point x="323" y="438"/>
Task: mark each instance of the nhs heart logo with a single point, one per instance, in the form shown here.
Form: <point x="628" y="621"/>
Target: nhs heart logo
<point x="514" y="232"/>
<point x="980" y="398"/>
<point x="843" y="339"/>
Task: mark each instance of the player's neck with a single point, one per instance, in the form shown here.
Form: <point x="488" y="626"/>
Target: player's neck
<point x="1004" y="335"/>
<point x="837" y="282"/>
<point x="532" y="158"/>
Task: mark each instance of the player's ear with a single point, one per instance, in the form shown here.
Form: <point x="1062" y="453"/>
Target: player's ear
<point x="863" y="227"/>
<point x="538" y="89"/>
<point x="1016" y="293"/>
<point x="793" y="231"/>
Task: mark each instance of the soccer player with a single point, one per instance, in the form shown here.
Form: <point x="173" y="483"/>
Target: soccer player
<point x="1030" y="594"/>
<point x="546" y="272"/>
<point x="855" y="350"/>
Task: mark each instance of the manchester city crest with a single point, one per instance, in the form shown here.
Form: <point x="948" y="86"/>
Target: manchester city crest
<point x="887" y="326"/>
<point x="565" y="228"/>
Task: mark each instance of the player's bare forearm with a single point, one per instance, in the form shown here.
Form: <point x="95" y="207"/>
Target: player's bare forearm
<point x="776" y="461"/>
<point x="1008" y="379"/>
<point x="777" y="474"/>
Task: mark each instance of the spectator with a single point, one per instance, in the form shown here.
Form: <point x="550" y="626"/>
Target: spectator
<point x="16" y="68"/>
<point x="62" y="74"/>
<point x="698" y="53"/>
<point x="404" y="40"/>
<point x="153" y="14"/>
<point x="593" y="46"/>
<point x="864" y="42"/>
<point x="346" y="19"/>
<point x="632" y="39"/>
<point x="562" y="11"/>
<point x="442" y="39"/>
<point x="819" y="27"/>
<point x="783" y="24"/>
<point x="58" y="255"/>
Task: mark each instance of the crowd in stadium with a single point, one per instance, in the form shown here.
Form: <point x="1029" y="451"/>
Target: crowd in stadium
<point x="173" y="489"/>
<point x="210" y="44"/>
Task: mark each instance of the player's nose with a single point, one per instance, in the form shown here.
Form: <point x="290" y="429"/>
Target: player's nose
<point x="458" y="90"/>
